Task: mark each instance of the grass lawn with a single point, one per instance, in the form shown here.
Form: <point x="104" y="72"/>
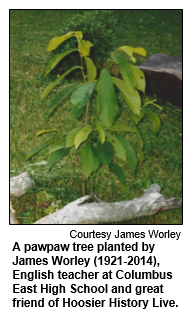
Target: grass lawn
<point x="158" y="31"/>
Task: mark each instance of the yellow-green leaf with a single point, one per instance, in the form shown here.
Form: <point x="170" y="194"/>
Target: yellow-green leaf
<point x="91" y="69"/>
<point x="141" y="157"/>
<point x="139" y="138"/>
<point x="154" y="118"/>
<point x="140" y="78"/>
<point x="71" y="136"/>
<point x="87" y="161"/>
<point x="128" y="52"/>
<point x="44" y="131"/>
<point x="84" y="47"/>
<point x="127" y="73"/>
<point x="101" y="132"/>
<point x="156" y="105"/>
<point x="132" y="98"/>
<point x="119" y="149"/>
<point x="79" y="35"/>
<point x="151" y="102"/>
<point x="82" y="135"/>
<point x="132" y="158"/>
<point x="137" y="118"/>
<point x="139" y="50"/>
<point x="56" y="41"/>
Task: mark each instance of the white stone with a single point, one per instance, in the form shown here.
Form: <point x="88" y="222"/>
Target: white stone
<point x="151" y="202"/>
<point x="76" y="212"/>
<point x="20" y="184"/>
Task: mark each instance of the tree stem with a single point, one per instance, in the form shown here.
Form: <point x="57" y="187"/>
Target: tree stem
<point x="86" y="122"/>
<point x="83" y="184"/>
<point x="84" y="79"/>
<point x="87" y="109"/>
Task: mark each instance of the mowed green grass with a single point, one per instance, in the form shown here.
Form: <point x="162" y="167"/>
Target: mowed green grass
<point x="158" y="31"/>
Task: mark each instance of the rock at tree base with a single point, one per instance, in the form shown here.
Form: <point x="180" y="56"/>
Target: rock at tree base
<point x="163" y="74"/>
<point x="151" y="202"/>
<point x="76" y="212"/>
<point x="18" y="186"/>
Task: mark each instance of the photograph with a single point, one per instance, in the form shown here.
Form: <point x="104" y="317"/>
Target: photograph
<point x="96" y="113"/>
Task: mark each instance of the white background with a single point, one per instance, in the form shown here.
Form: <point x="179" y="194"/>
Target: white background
<point x="173" y="255"/>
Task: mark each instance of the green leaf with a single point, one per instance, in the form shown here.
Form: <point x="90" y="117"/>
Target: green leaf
<point x="121" y="128"/>
<point x="39" y="148"/>
<point x="127" y="73"/>
<point x="109" y="137"/>
<point x="56" y="59"/>
<point x="59" y="98"/>
<point x="71" y="136"/>
<point x="45" y="131"/>
<point x="75" y="112"/>
<point x="154" y="118"/>
<point x="137" y="118"/>
<point x="55" y="157"/>
<point x="87" y="161"/>
<point x="131" y="155"/>
<point x="108" y="106"/>
<point x="105" y="152"/>
<point x="131" y="98"/>
<point x="82" y="135"/>
<point x="119" y="150"/>
<point x="101" y="132"/>
<point x="50" y="87"/>
<point x="96" y="159"/>
<point x="84" y="47"/>
<point x="140" y="78"/>
<point x="91" y="69"/>
<point x="59" y="144"/>
<point x="56" y="41"/>
<point x="78" y="151"/>
<point x="139" y="138"/>
<point x="141" y="157"/>
<point x="81" y="96"/>
<point x="116" y="169"/>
